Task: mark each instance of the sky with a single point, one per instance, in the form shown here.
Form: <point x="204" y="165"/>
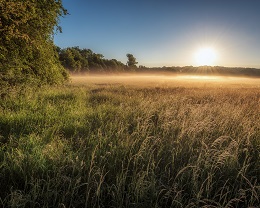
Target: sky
<point x="166" y="32"/>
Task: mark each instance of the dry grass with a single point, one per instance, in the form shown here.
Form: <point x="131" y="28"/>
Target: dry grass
<point x="118" y="143"/>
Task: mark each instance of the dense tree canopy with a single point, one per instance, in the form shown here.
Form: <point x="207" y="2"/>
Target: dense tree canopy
<point x="27" y="51"/>
<point x="85" y="60"/>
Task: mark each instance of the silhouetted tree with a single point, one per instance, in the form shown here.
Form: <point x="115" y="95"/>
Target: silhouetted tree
<point x="131" y="61"/>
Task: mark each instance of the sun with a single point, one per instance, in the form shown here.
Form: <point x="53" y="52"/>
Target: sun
<point x="205" y="56"/>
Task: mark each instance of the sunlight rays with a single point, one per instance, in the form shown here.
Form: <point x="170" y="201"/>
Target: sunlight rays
<point x="205" y="56"/>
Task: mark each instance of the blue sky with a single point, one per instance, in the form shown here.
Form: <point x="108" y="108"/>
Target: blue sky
<point x="166" y="32"/>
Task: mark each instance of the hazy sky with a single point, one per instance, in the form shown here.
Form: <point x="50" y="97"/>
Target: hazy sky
<point x="166" y="32"/>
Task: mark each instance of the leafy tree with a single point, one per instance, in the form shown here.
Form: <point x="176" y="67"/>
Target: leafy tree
<point x="73" y="59"/>
<point x="120" y="65"/>
<point x="81" y="60"/>
<point x="131" y="61"/>
<point x="27" y="51"/>
<point x="96" y="62"/>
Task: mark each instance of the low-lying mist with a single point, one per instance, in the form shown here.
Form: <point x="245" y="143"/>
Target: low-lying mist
<point x="164" y="80"/>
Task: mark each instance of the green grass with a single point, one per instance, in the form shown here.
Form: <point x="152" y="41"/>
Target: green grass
<point x="119" y="146"/>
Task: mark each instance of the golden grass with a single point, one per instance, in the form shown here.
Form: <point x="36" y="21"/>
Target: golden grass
<point x="132" y="141"/>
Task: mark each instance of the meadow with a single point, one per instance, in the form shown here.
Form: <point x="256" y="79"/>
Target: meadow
<point x="132" y="141"/>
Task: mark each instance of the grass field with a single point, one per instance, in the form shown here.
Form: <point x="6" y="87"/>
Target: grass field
<point x="132" y="141"/>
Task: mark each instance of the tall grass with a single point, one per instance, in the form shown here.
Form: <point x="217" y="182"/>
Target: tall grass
<point x="118" y="146"/>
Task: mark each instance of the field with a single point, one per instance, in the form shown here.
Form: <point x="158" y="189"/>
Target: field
<point x="132" y="141"/>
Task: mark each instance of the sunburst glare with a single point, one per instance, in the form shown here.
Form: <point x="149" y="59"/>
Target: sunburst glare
<point x="205" y="56"/>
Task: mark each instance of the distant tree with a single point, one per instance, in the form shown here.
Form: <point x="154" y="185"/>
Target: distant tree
<point x="119" y="65"/>
<point x="113" y="65"/>
<point x="26" y="41"/>
<point x="131" y="61"/>
<point x="73" y="59"/>
<point x="142" y="67"/>
<point x="78" y="60"/>
<point x="96" y="62"/>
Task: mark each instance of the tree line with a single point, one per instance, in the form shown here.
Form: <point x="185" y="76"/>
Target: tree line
<point x="204" y="70"/>
<point x="85" y="60"/>
<point x="79" y="60"/>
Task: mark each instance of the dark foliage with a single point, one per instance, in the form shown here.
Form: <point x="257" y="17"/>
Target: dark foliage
<point x="27" y="52"/>
<point x="85" y="60"/>
<point x="204" y="70"/>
